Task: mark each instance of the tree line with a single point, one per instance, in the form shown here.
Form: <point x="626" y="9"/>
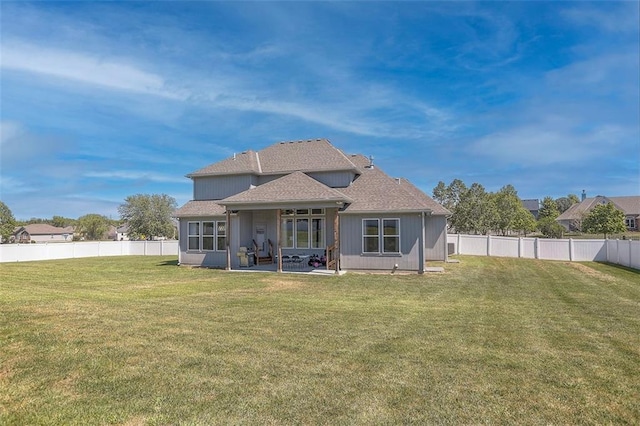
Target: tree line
<point x="476" y="211"/>
<point x="146" y="215"/>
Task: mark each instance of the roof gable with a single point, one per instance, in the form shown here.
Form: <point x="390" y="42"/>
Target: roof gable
<point x="312" y="155"/>
<point x="294" y="187"/>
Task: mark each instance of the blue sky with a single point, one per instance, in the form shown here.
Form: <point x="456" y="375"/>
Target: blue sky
<point x="104" y="100"/>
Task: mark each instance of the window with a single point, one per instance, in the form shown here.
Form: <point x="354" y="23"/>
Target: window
<point x="286" y="230"/>
<point x="317" y="232"/>
<point x="194" y="236"/>
<point x="303" y="230"/>
<point x="372" y="234"/>
<point x="302" y="233"/>
<point x="222" y="236"/>
<point x="630" y="222"/>
<point x="390" y="235"/>
<point x="207" y="236"/>
<point x="208" y="233"/>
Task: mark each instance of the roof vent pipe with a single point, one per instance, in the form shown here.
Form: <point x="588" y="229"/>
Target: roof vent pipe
<point x="370" y="166"/>
<point x="234" y="155"/>
<point x="584" y="195"/>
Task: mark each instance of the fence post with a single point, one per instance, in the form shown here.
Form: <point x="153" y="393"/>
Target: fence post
<point x="617" y="251"/>
<point x="458" y="245"/>
<point x="161" y="246"/>
<point x="630" y="256"/>
<point x="489" y="245"/>
<point x="144" y="251"/>
<point x="570" y="249"/>
<point x="519" y="247"/>
<point x="536" y="252"/>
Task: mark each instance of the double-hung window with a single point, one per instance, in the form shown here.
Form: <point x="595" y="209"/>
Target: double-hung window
<point x="222" y="236"/>
<point x="381" y="236"/>
<point x="207" y="236"/>
<point x="371" y="236"/>
<point x="390" y="235"/>
<point x="194" y="236"/>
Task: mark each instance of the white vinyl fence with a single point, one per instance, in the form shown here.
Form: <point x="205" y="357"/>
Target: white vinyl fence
<point x="621" y="252"/>
<point x="46" y="251"/>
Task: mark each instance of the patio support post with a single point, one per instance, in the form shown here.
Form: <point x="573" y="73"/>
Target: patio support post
<point x="336" y="240"/>
<point x="279" y="237"/>
<point x="228" y="268"/>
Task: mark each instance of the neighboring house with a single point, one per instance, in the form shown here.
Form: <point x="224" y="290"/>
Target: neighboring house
<point x="533" y="206"/>
<point x="630" y="206"/>
<point x="122" y="233"/>
<point x="43" y="233"/>
<point x="308" y="198"/>
<point x="118" y="233"/>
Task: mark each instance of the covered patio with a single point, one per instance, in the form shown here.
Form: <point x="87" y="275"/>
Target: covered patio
<point x="290" y="223"/>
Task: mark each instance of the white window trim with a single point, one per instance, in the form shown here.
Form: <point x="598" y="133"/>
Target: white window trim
<point x="370" y="236"/>
<point x="309" y="216"/>
<point x="201" y="235"/>
<point x="395" y="235"/>
<point x="189" y="235"/>
<point x="381" y="236"/>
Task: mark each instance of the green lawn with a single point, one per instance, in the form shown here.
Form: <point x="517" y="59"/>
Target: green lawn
<point x="138" y="340"/>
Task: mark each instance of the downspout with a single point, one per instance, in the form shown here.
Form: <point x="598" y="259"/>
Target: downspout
<point x="421" y="245"/>
<point x="228" y="230"/>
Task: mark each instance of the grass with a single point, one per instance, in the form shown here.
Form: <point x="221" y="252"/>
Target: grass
<point x="138" y="340"/>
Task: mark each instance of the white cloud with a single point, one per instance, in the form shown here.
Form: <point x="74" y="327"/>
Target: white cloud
<point x="549" y="142"/>
<point x="84" y="68"/>
<point x="136" y="175"/>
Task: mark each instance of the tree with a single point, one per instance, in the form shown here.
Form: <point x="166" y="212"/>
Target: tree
<point x="548" y="209"/>
<point x="507" y="206"/>
<point x="92" y="226"/>
<point x="149" y="215"/>
<point x="7" y="223"/>
<point x="550" y="228"/>
<point x="449" y="196"/>
<point x="524" y="221"/>
<point x="604" y="219"/>
<point x="563" y="203"/>
<point x="475" y="213"/>
<point x="61" y="222"/>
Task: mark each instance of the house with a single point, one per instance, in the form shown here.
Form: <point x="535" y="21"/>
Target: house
<point x="630" y="206"/>
<point x="122" y="233"/>
<point x="308" y="198"/>
<point x="43" y="233"/>
<point x="533" y="205"/>
<point x="118" y="233"/>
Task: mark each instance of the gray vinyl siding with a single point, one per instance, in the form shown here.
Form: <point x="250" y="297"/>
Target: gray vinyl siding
<point x="351" y="243"/>
<point x="219" y="187"/>
<point x="215" y="259"/>
<point x="334" y="179"/>
<point x="435" y="238"/>
<point x="331" y="179"/>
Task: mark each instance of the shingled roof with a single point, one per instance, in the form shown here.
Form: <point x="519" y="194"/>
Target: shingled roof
<point x="375" y="191"/>
<point x="200" y="208"/>
<point x="282" y="157"/>
<point x="629" y="205"/>
<point x="295" y="187"/>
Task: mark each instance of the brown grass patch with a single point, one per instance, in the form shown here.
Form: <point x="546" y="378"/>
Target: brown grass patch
<point x="278" y="285"/>
<point x="591" y="272"/>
